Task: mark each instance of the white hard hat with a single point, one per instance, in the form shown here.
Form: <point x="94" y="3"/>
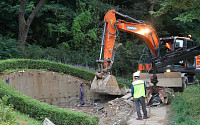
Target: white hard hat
<point x="136" y="74"/>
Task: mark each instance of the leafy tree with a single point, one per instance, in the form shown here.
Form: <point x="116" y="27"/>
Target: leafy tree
<point x="187" y="11"/>
<point x="9" y="48"/>
<point x="24" y="25"/>
<point x="8" y="18"/>
<point x="52" y="24"/>
<point x="190" y="9"/>
<point x="82" y="33"/>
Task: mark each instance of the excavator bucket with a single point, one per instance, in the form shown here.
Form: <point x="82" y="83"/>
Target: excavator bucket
<point x="106" y="85"/>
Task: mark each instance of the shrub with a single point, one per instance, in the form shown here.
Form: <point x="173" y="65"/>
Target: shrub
<point x="6" y="112"/>
<point x="40" y="111"/>
<point x="43" y="64"/>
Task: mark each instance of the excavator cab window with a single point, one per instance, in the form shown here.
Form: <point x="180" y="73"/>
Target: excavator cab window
<point x="164" y="49"/>
<point x="190" y="44"/>
<point x="190" y="63"/>
<point x="178" y="44"/>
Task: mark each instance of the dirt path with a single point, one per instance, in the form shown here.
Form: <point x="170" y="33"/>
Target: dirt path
<point x="158" y="116"/>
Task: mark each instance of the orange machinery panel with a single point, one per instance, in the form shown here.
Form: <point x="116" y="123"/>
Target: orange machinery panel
<point x="198" y="62"/>
<point x="145" y="67"/>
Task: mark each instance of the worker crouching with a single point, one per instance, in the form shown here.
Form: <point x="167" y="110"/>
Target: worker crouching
<point x="138" y="91"/>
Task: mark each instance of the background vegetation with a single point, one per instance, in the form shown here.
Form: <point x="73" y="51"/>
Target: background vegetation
<point x="186" y="106"/>
<point x="70" y="31"/>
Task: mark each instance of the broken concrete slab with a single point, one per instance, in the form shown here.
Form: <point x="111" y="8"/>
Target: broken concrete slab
<point x="47" y="122"/>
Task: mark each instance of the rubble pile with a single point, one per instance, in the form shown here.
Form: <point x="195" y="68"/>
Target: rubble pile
<point x="112" y="112"/>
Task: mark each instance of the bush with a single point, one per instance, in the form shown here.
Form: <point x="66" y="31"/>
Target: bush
<point x="6" y="112"/>
<point x="51" y="66"/>
<point x="43" y="64"/>
<point x="9" y="48"/>
<point x="40" y="111"/>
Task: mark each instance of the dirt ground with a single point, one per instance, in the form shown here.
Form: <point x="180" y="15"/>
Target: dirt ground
<point x="121" y="111"/>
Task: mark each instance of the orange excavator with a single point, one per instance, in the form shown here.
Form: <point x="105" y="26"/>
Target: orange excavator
<point x="175" y="48"/>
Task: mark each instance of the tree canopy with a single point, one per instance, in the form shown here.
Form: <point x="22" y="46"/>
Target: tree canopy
<point x="71" y="31"/>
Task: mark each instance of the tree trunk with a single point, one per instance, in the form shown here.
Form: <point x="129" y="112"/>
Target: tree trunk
<point x="151" y="7"/>
<point x="24" y="25"/>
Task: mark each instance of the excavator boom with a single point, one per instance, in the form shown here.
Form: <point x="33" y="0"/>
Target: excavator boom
<point x="104" y="82"/>
<point x="111" y="25"/>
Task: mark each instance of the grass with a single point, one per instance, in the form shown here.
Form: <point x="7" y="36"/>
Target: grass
<point x="9" y="116"/>
<point x="186" y="106"/>
<point x="22" y="119"/>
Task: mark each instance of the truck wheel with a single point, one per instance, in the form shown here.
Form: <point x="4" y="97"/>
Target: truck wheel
<point x="184" y="83"/>
<point x="196" y="81"/>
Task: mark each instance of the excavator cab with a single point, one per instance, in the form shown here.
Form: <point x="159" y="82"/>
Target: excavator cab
<point x="177" y="45"/>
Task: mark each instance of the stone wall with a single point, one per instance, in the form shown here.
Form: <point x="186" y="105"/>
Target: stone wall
<point x="54" y="88"/>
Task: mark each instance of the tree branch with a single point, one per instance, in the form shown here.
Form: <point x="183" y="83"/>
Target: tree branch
<point x="34" y="12"/>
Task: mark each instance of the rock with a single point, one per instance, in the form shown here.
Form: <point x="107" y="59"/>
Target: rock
<point x="47" y="122"/>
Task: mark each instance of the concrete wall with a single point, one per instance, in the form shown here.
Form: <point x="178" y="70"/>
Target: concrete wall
<point x="62" y="90"/>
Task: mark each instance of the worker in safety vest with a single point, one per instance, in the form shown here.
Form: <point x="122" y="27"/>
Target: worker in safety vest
<point x="138" y="91"/>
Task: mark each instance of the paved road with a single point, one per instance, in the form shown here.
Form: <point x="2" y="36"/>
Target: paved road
<point x="158" y="116"/>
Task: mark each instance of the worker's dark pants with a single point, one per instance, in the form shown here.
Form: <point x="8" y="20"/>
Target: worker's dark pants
<point x="140" y="100"/>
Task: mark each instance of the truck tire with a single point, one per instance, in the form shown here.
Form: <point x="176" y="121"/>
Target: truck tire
<point x="184" y="83"/>
<point x="196" y="81"/>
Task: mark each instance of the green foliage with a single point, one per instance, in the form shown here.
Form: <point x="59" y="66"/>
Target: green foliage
<point x="43" y="64"/>
<point x="71" y="31"/>
<point x="52" y="24"/>
<point x="190" y="9"/>
<point x="8" y="18"/>
<point x="186" y="106"/>
<point x="81" y="35"/>
<point x="40" y="111"/>
<point x="8" y="48"/>
<point x="128" y="51"/>
<point x="9" y="65"/>
<point x="7" y="116"/>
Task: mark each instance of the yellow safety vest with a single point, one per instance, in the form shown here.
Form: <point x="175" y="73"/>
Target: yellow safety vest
<point x="139" y="89"/>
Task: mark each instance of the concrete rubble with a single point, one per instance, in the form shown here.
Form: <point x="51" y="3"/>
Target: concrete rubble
<point x="113" y="112"/>
<point x="47" y="122"/>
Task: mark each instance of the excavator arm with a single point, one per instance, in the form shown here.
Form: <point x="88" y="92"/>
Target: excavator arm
<point x="103" y="81"/>
<point x="139" y="28"/>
